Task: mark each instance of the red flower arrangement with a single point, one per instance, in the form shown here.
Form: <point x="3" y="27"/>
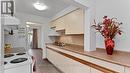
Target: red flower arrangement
<point x="109" y="28"/>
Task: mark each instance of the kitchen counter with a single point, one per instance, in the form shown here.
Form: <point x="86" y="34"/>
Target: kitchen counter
<point x="118" y="57"/>
<point x="15" y="50"/>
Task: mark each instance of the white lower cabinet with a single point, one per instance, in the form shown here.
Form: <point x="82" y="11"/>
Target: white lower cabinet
<point x="127" y="70"/>
<point x="68" y="65"/>
<point x="112" y="66"/>
<point x="95" y="71"/>
<point x="65" y="64"/>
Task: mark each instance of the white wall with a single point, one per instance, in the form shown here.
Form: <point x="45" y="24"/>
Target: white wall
<point x="89" y="34"/>
<point x="0" y="41"/>
<point x="119" y="9"/>
<point x="32" y="18"/>
<point x="44" y="28"/>
<point x="45" y="38"/>
<point x="15" y="40"/>
<point x="1" y="44"/>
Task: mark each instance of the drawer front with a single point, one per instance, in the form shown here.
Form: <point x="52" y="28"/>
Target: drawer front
<point x="127" y="70"/>
<point x="108" y="65"/>
<point x="95" y="61"/>
<point x="95" y="71"/>
<point x="73" y="54"/>
<point x="86" y="58"/>
<point x="66" y="64"/>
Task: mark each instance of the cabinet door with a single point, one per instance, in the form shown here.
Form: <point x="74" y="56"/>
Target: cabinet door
<point x="75" y="22"/>
<point x="52" y="24"/>
<point x="59" y="24"/>
<point x="127" y="70"/>
<point x="66" y="64"/>
<point x="51" y="56"/>
<point x="95" y="71"/>
<point x="112" y="66"/>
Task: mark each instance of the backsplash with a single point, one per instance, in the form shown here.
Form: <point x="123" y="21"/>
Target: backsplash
<point x="72" y="39"/>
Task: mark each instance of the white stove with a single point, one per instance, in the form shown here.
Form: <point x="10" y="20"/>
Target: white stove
<point x="17" y="63"/>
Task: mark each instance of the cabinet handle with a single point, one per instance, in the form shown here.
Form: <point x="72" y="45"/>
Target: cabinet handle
<point x="53" y="27"/>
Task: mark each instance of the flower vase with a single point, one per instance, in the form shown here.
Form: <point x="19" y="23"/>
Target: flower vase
<point x="109" y="44"/>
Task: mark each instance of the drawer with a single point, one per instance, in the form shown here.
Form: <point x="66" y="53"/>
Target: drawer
<point x="105" y="64"/>
<point x="95" y="71"/>
<point x="127" y="70"/>
<point x="86" y="58"/>
<point x="112" y="66"/>
<point x="66" y="65"/>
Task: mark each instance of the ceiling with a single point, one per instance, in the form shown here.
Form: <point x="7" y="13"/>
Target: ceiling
<point x="54" y="6"/>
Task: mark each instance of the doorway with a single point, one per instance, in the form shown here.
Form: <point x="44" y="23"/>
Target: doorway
<point x="33" y="38"/>
<point x="30" y="37"/>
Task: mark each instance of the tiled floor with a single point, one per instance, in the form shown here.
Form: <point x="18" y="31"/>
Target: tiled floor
<point x="42" y="66"/>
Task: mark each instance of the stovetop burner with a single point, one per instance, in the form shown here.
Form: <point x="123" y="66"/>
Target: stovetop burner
<point x="18" y="60"/>
<point x="22" y="53"/>
<point x="5" y="63"/>
<point x="8" y="55"/>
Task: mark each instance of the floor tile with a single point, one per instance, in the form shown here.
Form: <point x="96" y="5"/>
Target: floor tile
<point x="42" y="66"/>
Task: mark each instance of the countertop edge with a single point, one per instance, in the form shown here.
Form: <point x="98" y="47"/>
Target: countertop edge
<point x="107" y="60"/>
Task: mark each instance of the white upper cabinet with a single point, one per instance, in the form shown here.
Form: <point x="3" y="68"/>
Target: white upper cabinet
<point x="72" y="23"/>
<point x="59" y="24"/>
<point x="75" y="22"/>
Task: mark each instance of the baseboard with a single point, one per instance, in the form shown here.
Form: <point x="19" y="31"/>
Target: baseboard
<point x="37" y="48"/>
<point x="46" y="59"/>
<point x="53" y="65"/>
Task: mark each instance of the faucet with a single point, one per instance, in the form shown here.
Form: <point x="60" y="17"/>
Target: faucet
<point x="60" y="44"/>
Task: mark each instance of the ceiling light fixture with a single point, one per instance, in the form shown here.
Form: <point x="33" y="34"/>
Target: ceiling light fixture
<point x="27" y="26"/>
<point x="30" y="23"/>
<point x="40" y="6"/>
